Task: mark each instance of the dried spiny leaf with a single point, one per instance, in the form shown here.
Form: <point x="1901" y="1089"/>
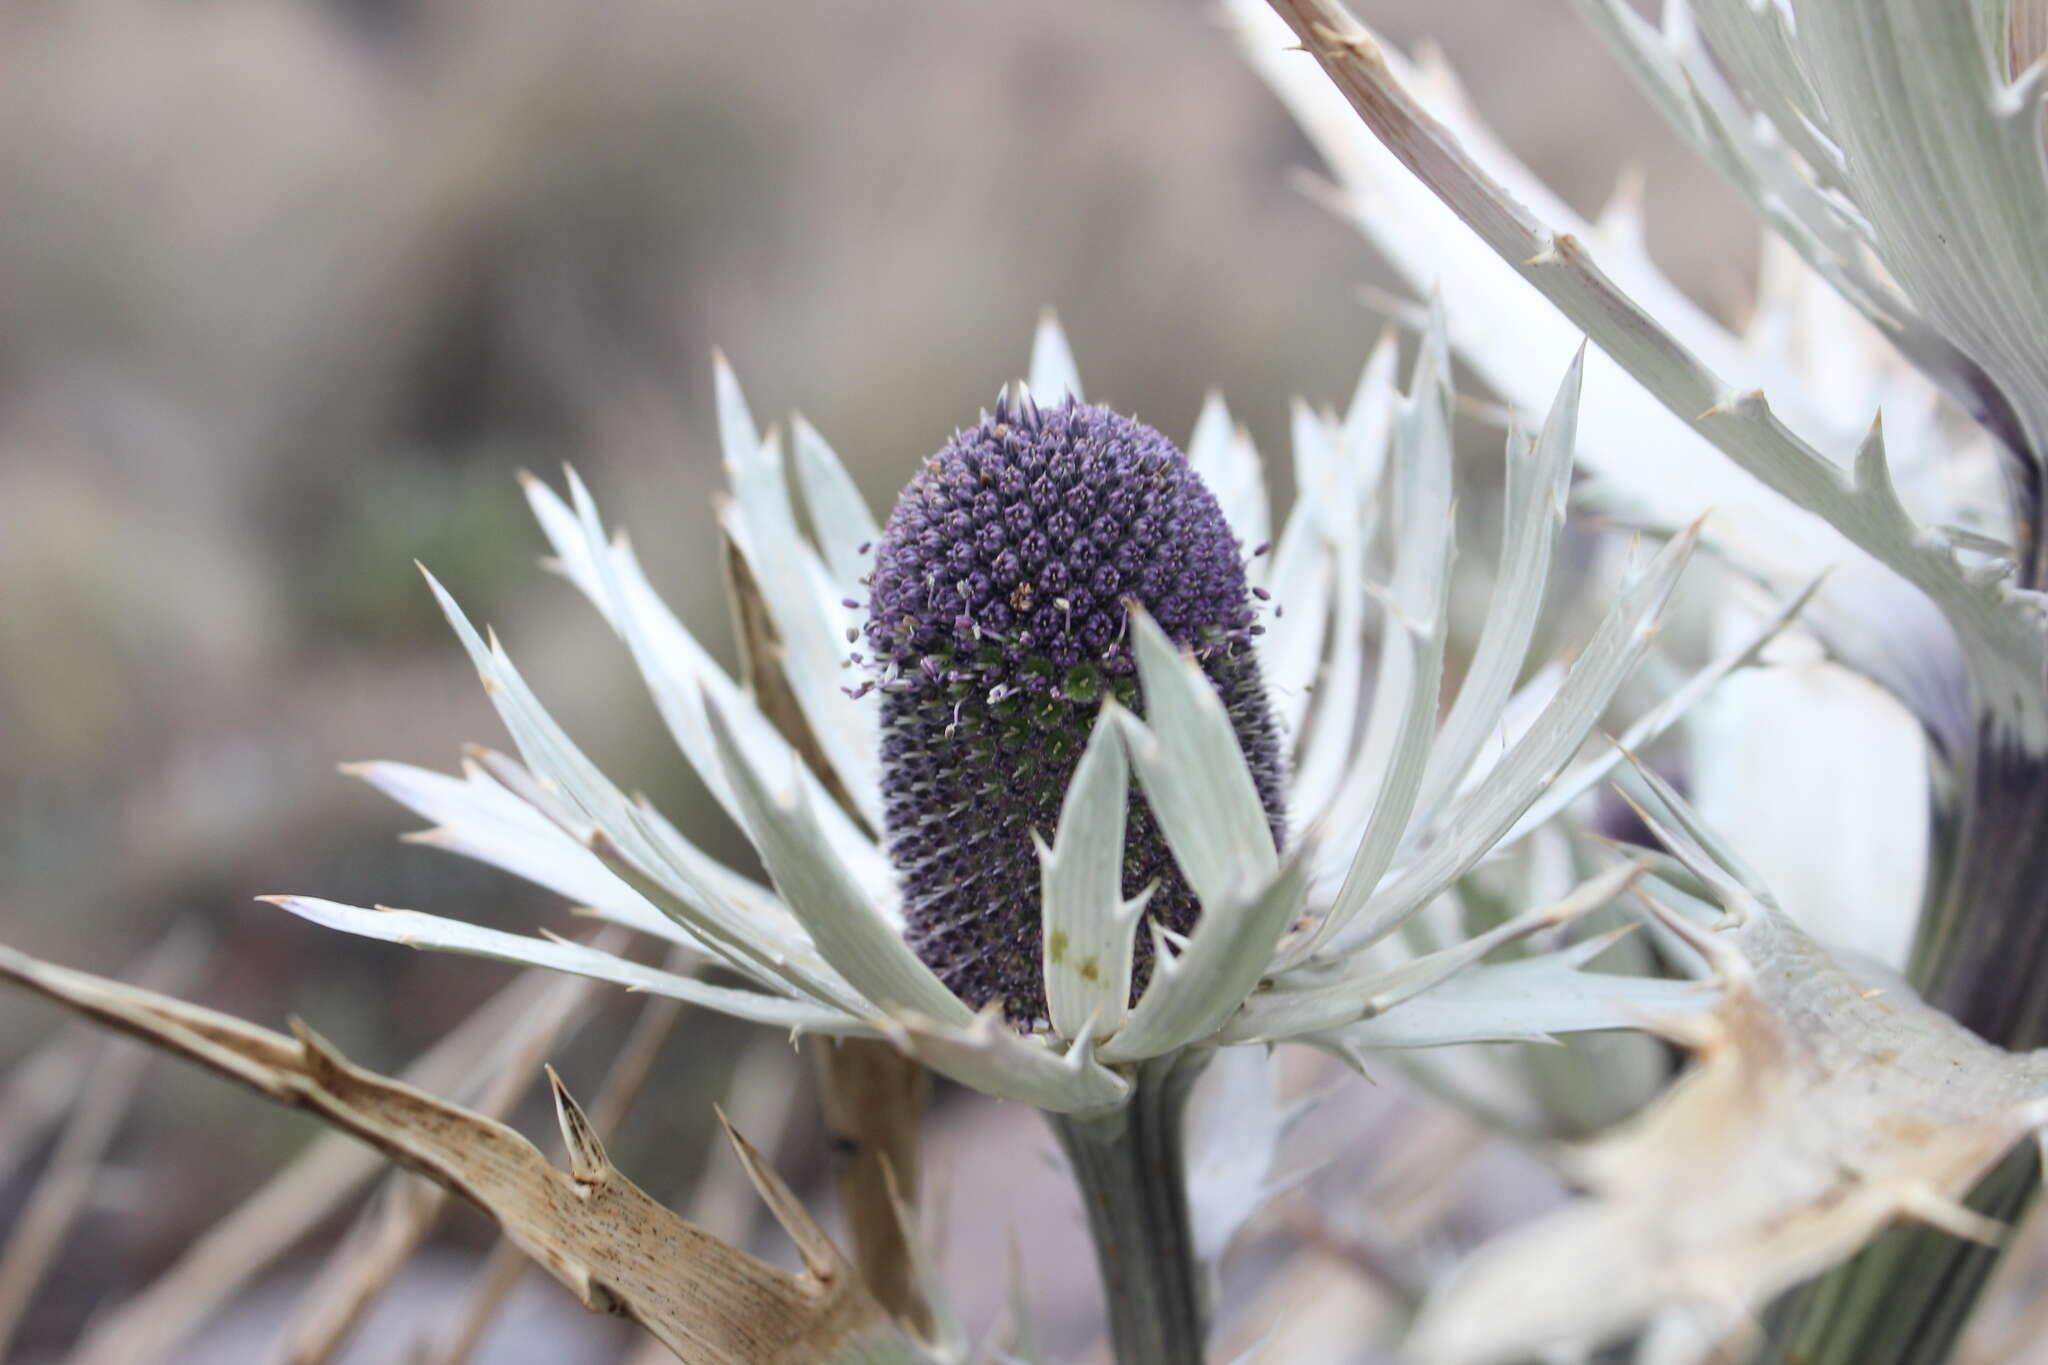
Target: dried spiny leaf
<point x="249" y="1240"/>
<point x="1818" y="1112"/>
<point x="594" y="1230"/>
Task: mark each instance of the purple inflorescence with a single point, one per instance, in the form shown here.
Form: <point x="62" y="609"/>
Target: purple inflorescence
<point x="997" y="624"/>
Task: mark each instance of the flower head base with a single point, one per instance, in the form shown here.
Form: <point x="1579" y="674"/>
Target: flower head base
<point x="999" y="616"/>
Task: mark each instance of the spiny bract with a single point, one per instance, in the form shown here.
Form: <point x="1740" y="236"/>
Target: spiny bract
<point x="998" y="617"/>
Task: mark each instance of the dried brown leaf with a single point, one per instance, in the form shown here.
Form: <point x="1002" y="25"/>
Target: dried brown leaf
<point x="331" y="1168"/>
<point x="617" y="1249"/>
<point x="502" y="1269"/>
<point x="1818" y="1112"/>
<point x="359" y="1271"/>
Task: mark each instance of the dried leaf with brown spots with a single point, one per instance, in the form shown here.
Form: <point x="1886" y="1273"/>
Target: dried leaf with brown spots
<point x="617" y="1249"/>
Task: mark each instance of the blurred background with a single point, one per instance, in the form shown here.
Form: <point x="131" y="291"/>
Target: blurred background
<point x="289" y="291"/>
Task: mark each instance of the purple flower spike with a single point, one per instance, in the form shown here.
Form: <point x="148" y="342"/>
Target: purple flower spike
<point x="998" y="620"/>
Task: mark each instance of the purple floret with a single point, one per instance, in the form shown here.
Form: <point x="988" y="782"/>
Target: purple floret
<point x="997" y="624"/>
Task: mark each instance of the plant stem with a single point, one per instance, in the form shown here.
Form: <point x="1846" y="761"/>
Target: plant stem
<point x="1983" y="949"/>
<point x="1905" y="1299"/>
<point x="1132" y="1169"/>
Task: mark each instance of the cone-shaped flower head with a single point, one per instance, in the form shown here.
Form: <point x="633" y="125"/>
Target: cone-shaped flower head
<point x="999" y="620"/>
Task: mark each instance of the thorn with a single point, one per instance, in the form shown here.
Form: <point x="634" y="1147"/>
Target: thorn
<point x="1936" y="1209"/>
<point x="323" y="1063"/>
<point x="588" y="1165"/>
<point x="1359" y="46"/>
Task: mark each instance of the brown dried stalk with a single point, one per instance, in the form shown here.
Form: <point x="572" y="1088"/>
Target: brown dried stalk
<point x="365" y="1265"/>
<point x="618" y="1250"/>
<point x="501" y="1271"/>
<point x="153" y="1324"/>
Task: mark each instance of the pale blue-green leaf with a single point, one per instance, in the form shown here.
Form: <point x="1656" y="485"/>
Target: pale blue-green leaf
<point x="1399" y="733"/>
<point x="1580" y="779"/>
<point x="1827" y="231"/>
<point x="1479" y="818"/>
<point x="2001" y="632"/>
<point x="1324" y="755"/>
<point x="1224" y="459"/>
<point x="1363" y="991"/>
<point x="849" y="931"/>
<point x="1530" y="1001"/>
<point x="840" y="516"/>
<point x="1088" y="929"/>
<point x="1681" y="833"/>
<point x="1537" y="481"/>
<point x="784" y="949"/>
<point x="1756" y="46"/>
<point x="680" y="674"/>
<point x="416" y="930"/>
<point x="611" y="571"/>
<point x="1943" y="153"/>
<point x="1369" y="420"/>
<point x="1298" y="575"/>
<point x="1319" y="473"/>
<point x="990" y="1056"/>
<point x="737" y="433"/>
<point x="1415" y="607"/>
<point x="1190" y="996"/>
<point x="811" y="625"/>
<point x="608" y="823"/>
<point x="1194" y="773"/>
<point x="476" y="817"/>
<point x="761" y="521"/>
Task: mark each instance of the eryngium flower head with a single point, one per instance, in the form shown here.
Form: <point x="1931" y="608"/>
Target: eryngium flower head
<point x="998" y="615"/>
<point x="1408" y="798"/>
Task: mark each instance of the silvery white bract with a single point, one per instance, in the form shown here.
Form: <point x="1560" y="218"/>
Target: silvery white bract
<point x="1894" y="150"/>
<point x="1395" y="800"/>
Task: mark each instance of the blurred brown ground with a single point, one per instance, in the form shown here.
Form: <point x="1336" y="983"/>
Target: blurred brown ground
<point x="288" y="291"/>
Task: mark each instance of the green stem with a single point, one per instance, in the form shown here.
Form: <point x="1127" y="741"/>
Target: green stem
<point x="1131" y="1166"/>
<point x="1981" y="953"/>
